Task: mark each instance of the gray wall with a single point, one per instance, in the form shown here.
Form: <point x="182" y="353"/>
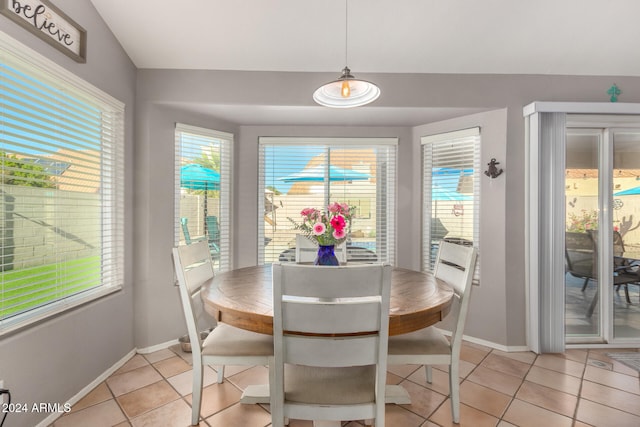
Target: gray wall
<point x="53" y="360"/>
<point x="158" y="314"/>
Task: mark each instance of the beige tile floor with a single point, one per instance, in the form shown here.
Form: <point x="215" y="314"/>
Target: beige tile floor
<point x="577" y="388"/>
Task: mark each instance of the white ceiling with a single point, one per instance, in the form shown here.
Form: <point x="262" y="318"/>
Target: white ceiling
<point x="570" y="37"/>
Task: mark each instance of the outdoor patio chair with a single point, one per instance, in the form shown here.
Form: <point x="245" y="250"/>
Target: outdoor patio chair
<point x="330" y="331"/>
<point x="455" y="265"/>
<point x="214" y="248"/>
<point x="213" y="234"/>
<point x="184" y="223"/>
<point x="624" y="266"/>
<point x="581" y="254"/>
<point x="225" y="345"/>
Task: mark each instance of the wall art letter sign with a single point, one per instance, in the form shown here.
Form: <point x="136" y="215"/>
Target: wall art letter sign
<point x="50" y="24"/>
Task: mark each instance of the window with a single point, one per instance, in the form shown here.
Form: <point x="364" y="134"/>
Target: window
<point x="62" y="182"/>
<point x="311" y="172"/>
<point x="203" y="190"/>
<point x="451" y="191"/>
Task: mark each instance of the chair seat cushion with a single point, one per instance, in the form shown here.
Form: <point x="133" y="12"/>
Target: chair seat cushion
<point x="227" y="340"/>
<point x="421" y="342"/>
<point x="329" y="386"/>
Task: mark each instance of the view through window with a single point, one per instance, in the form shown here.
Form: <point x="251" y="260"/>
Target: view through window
<point x="296" y="173"/>
<point x="61" y="185"/>
<point x="203" y="190"/>
<point x="451" y="189"/>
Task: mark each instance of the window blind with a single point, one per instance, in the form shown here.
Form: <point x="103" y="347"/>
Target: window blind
<point x="312" y="172"/>
<point x="62" y="185"/>
<point x="203" y="190"/>
<point x="451" y="191"/>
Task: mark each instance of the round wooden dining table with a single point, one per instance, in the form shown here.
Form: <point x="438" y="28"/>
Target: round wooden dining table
<point x="243" y="298"/>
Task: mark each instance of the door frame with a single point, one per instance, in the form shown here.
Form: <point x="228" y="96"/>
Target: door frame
<point x="545" y="140"/>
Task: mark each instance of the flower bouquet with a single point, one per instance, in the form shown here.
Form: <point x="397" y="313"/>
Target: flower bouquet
<point x="326" y="228"/>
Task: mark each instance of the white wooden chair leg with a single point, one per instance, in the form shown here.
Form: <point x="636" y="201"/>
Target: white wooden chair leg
<point x="454" y="388"/>
<point x="428" y="373"/>
<point x="196" y="400"/>
<point x="220" y="374"/>
<point x="277" y="411"/>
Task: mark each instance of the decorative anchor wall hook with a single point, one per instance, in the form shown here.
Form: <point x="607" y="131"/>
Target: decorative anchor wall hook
<point x="493" y="170"/>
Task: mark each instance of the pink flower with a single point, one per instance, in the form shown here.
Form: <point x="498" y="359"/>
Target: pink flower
<point x="307" y="212"/>
<point x="339" y="234"/>
<point x="334" y="207"/>
<point x="319" y="229"/>
<point x="338" y="222"/>
<point x="338" y="208"/>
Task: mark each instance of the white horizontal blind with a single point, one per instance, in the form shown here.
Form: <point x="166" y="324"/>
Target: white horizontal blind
<point x="203" y="190"/>
<point x="451" y="191"/>
<point x="62" y="185"/>
<point x="312" y="172"/>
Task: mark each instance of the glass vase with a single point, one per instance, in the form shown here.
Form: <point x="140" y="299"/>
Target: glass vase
<point x="326" y="256"/>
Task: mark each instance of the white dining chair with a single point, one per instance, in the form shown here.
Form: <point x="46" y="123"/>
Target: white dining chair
<point x="454" y="265"/>
<point x="331" y="328"/>
<point x="225" y="345"/>
<point x="307" y="250"/>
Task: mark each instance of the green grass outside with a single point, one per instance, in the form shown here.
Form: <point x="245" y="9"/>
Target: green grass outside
<point x="28" y="288"/>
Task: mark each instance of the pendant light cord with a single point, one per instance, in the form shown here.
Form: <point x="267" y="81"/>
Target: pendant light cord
<point x="346" y="32"/>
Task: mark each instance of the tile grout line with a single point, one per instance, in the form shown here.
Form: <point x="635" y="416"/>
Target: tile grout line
<point x="515" y="393"/>
<point x="500" y="418"/>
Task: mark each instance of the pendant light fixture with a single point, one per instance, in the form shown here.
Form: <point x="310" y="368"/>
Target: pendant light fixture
<point x="346" y="91"/>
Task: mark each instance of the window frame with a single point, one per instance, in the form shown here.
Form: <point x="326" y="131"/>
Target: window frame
<point x="112" y="177"/>
<point x="473" y="136"/>
<point x="225" y="260"/>
<point x="388" y="223"/>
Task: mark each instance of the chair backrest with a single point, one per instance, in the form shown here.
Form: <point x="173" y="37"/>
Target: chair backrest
<point x="581" y="254"/>
<point x="618" y="244"/>
<point x="307" y="250"/>
<point x="331" y="316"/>
<point x="213" y="229"/>
<point x="455" y="265"/>
<point x="193" y="269"/>
<point x="185" y="230"/>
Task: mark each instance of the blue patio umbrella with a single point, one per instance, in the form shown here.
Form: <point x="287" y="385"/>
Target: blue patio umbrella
<point x="449" y="179"/>
<point x="629" y="192"/>
<point x="439" y="193"/>
<point x="317" y="174"/>
<point x="196" y="177"/>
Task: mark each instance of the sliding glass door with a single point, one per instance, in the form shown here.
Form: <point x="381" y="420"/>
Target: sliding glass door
<point x="602" y="234"/>
<point x="582" y="196"/>
<point x="625" y="217"/>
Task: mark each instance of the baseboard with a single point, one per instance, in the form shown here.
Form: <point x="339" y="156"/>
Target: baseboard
<point x="86" y="390"/>
<point x="157" y="347"/>
<point x="505" y="348"/>
<point x="490" y="344"/>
